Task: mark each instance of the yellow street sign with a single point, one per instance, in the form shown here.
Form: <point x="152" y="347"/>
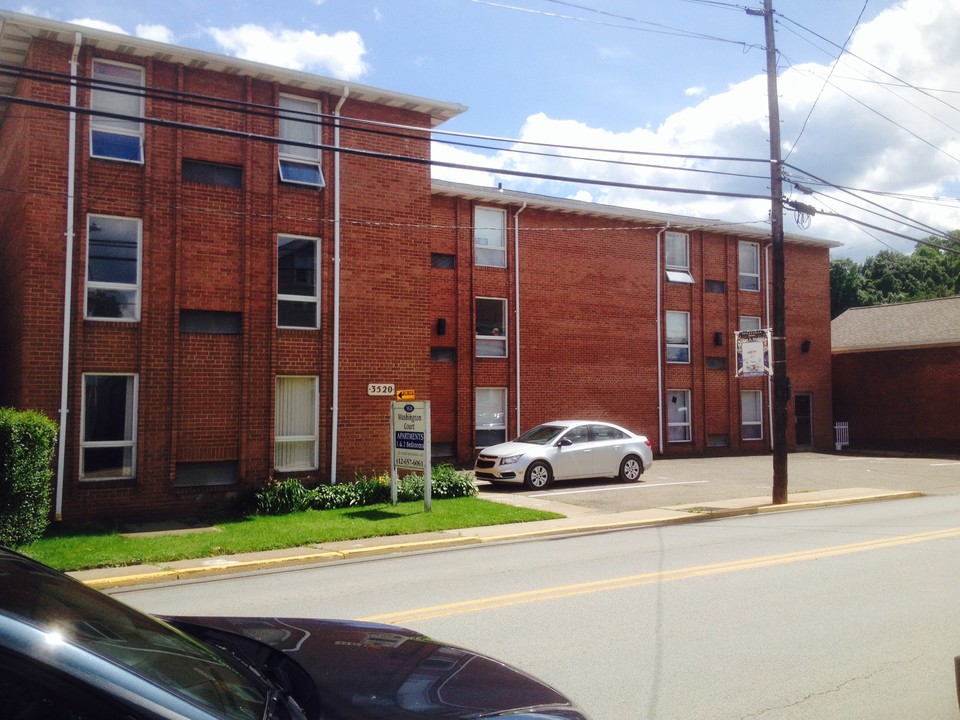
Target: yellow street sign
<point x="406" y="395"/>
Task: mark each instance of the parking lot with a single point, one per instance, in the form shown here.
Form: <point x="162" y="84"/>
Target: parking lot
<point x="701" y="480"/>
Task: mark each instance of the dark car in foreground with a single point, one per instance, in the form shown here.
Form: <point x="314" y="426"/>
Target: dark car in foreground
<point x="68" y="652"/>
<point x="566" y="450"/>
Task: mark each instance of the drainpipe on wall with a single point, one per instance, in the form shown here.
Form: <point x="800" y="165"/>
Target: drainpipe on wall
<point x="516" y="262"/>
<point x="335" y="406"/>
<point x="68" y="281"/>
<point x="660" y="341"/>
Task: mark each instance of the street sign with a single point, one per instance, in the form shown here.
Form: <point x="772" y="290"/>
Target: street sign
<point x="404" y="395"/>
<point x="381" y="389"/>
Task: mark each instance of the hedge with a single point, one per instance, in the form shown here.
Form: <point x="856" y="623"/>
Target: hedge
<point x="279" y="497"/>
<point x="27" y="442"/>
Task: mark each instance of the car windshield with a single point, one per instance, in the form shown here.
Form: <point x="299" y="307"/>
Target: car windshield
<point x="541" y="434"/>
<point x="143" y="645"/>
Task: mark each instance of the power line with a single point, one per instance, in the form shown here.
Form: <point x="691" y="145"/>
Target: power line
<point x="387" y="129"/>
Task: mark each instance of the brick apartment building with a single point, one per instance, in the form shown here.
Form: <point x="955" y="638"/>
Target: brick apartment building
<point x="227" y="284"/>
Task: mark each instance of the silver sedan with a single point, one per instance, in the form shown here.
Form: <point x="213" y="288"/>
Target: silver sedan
<point x="564" y="450"/>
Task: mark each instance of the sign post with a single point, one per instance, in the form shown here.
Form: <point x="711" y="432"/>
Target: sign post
<point x="410" y="444"/>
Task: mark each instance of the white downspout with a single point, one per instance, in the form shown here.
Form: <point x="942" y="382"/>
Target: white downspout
<point x="660" y="342"/>
<point x="68" y="280"/>
<point x="766" y="263"/>
<point x="516" y="262"/>
<point x="335" y="406"/>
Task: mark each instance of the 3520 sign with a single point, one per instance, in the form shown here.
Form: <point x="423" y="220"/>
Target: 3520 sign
<point x="381" y="389"/>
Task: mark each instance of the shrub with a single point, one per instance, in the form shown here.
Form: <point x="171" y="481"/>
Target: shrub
<point x="27" y="442"/>
<point x="280" y="497"/>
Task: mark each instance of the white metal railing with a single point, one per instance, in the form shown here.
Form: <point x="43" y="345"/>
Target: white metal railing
<point x="842" y="434"/>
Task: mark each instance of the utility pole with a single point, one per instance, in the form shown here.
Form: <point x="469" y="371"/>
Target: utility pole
<point x="780" y="382"/>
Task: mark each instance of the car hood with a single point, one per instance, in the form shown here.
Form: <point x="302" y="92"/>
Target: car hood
<point x="363" y="670"/>
<point x="510" y="448"/>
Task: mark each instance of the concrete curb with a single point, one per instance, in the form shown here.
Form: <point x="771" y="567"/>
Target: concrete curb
<point x="188" y="569"/>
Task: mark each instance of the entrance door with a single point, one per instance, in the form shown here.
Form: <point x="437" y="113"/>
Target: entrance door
<point x="803" y="412"/>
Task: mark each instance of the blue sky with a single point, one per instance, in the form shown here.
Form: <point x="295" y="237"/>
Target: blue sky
<point x="680" y="77"/>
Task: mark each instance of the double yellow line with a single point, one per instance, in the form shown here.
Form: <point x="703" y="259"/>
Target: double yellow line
<point x="662" y="576"/>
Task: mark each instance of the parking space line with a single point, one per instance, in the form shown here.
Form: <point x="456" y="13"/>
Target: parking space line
<point x="607" y="488"/>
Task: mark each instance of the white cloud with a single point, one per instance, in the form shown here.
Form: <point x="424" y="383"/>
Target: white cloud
<point x="99" y="25"/>
<point x="159" y="33"/>
<point x="694" y="91"/>
<point x="862" y="133"/>
<point x="339" y="55"/>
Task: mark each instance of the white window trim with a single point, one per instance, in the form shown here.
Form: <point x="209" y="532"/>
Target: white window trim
<point x="500" y="250"/>
<point x="315" y="436"/>
<point x="131" y="443"/>
<point x="98" y="123"/>
<point x="758" y="395"/>
<point x="298" y="155"/>
<point x="500" y="339"/>
<point x="677" y="272"/>
<point x="751" y="274"/>
<point x="490" y="426"/>
<point x="688" y="434"/>
<point x="754" y="322"/>
<point x="315" y="298"/>
<point x="100" y="285"/>
<point x="679" y="345"/>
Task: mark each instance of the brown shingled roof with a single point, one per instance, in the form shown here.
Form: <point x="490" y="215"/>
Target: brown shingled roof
<point x="926" y="323"/>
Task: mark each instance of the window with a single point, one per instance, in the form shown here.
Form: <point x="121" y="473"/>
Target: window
<point x="443" y="354"/>
<point x="443" y="261"/>
<point x="299" y="157"/>
<point x="108" y="442"/>
<point x="113" y="268"/>
<point x="206" y="474"/>
<point x="678" y="415"/>
<point x="298" y="291"/>
<point x="209" y="173"/>
<point x="716" y="363"/>
<point x="210" y="322"/>
<point x="677" y="252"/>
<point x="751" y="414"/>
<point x="491" y="416"/>
<point x="678" y="337"/>
<point x="491" y="327"/>
<point x="490" y="237"/>
<point x="749" y="266"/>
<point x="117" y="138"/>
<point x="749" y="322"/>
<point x="297" y="428"/>
<point x="718" y="287"/>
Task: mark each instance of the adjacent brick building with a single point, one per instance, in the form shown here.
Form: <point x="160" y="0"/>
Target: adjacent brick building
<point x="896" y="376"/>
<point x="228" y="284"/>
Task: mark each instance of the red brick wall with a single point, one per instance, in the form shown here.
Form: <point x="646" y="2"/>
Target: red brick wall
<point x="900" y="400"/>
<point x="588" y="318"/>
<point x="588" y="328"/>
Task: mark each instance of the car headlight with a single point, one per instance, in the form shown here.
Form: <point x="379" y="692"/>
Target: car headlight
<point x="510" y="459"/>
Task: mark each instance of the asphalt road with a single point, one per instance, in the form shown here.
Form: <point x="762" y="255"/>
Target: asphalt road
<point x="699" y="480"/>
<point x="847" y="612"/>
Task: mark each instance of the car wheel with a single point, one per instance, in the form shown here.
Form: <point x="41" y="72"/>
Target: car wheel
<point x="631" y="468"/>
<point x="538" y="476"/>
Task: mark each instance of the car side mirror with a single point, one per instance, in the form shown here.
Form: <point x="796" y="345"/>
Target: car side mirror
<point x="564" y="442"/>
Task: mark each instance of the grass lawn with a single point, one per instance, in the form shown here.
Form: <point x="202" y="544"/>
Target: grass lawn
<point x="80" y="551"/>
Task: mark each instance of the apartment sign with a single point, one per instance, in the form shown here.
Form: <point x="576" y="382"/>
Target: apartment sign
<point x="754" y="353"/>
<point x="410" y="444"/>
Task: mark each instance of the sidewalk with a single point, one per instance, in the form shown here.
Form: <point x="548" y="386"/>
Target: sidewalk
<point x="577" y="520"/>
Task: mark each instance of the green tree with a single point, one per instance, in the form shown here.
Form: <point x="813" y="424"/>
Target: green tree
<point x="892" y="277"/>
<point x="846" y="286"/>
